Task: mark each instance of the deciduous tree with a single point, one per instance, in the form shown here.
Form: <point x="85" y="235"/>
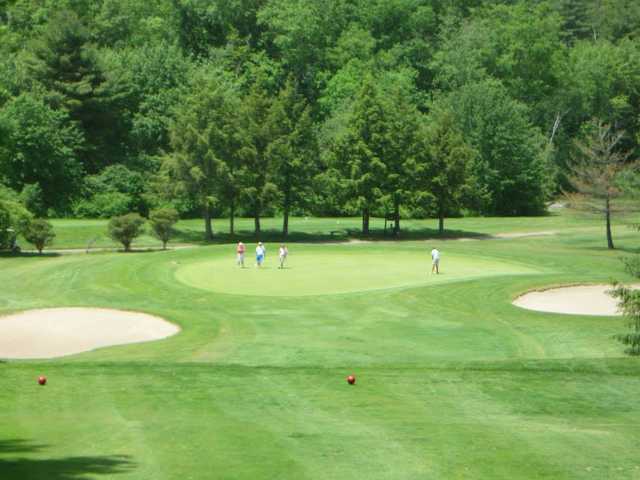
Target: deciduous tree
<point x="162" y="222"/>
<point x="595" y="171"/>
<point x="40" y="233"/>
<point x="125" y="229"/>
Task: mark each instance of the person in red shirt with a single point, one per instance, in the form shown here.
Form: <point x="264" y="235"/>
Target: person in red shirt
<point x="240" y="254"/>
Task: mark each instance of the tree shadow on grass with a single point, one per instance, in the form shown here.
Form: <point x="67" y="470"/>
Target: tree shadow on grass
<point x="15" y="466"/>
<point x="631" y="250"/>
<point x="45" y="254"/>
<point x="339" y="236"/>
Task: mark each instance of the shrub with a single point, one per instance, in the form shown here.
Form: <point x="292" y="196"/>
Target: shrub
<point x="162" y="222"/>
<point x="33" y="200"/>
<point x="125" y="228"/>
<point x="104" y="205"/>
<point x="40" y="233"/>
<point x="115" y="179"/>
<point x="13" y="217"/>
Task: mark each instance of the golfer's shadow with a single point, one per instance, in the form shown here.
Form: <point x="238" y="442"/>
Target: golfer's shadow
<point x="16" y="463"/>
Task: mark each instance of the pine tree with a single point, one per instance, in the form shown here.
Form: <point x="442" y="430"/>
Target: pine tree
<point x="292" y="152"/>
<point x="359" y="152"/>
<point x="258" y="189"/>
<point x="575" y="15"/>
<point x="66" y="64"/>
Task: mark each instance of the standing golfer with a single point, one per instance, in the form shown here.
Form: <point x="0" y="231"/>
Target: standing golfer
<point x="282" y="254"/>
<point x="240" y="249"/>
<point x="435" y="261"/>
<point x="260" y="253"/>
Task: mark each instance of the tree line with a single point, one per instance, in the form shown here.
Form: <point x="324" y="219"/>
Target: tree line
<point x="401" y="108"/>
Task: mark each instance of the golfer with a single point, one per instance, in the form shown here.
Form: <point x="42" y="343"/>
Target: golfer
<point x="240" y="249"/>
<point x="260" y="253"/>
<point x="282" y="254"/>
<point x="435" y="261"/>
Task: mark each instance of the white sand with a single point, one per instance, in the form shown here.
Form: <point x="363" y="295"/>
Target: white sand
<point x="578" y="300"/>
<point x="55" y="332"/>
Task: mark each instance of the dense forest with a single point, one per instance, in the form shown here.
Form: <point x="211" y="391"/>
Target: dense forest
<point x="406" y="108"/>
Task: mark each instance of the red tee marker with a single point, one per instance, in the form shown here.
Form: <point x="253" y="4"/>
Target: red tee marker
<point x="351" y="379"/>
<point x="42" y="380"/>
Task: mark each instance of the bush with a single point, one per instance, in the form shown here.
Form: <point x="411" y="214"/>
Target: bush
<point x="125" y="228"/>
<point x="13" y="218"/>
<point x="162" y="222"/>
<point x="104" y="205"/>
<point x="40" y="233"/>
<point x="106" y="191"/>
<point x="33" y="200"/>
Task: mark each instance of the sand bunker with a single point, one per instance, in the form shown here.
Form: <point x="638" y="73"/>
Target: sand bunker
<point x="578" y="300"/>
<point x="55" y="332"/>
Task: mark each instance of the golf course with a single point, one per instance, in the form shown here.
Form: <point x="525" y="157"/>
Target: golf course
<point x="453" y="381"/>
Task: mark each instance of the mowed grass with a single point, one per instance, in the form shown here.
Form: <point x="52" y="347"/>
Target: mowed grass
<point x="319" y="270"/>
<point x="453" y="381"/>
<point x="92" y="234"/>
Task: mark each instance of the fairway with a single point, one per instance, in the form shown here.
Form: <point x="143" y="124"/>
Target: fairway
<point x="453" y="381"/>
<point x="327" y="270"/>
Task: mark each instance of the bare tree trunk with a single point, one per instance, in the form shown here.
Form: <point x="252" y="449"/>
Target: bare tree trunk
<point x="440" y="218"/>
<point x="365" y="221"/>
<point x="556" y="126"/>
<point x="608" y="216"/>
<point x="285" y="220"/>
<point x="256" y="221"/>
<point x="396" y="217"/>
<point x="208" y="229"/>
<point x="232" y="214"/>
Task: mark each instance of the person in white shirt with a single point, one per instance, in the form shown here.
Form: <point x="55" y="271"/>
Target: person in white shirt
<point x="260" y="253"/>
<point x="435" y="261"/>
<point x="282" y="254"/>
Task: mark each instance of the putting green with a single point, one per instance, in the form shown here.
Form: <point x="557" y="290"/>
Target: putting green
<point x="314" y="270"/>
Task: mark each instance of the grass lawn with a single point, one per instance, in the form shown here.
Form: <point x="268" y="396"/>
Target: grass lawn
<point x="80" y="234"/>
<point x="453" y="380"/>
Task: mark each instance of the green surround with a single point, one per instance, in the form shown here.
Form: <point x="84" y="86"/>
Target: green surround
<point x="452" y="380"/>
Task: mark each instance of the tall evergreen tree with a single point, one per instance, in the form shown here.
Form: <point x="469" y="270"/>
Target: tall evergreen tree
<point x="292" y="152"/>
<point x="203" y="136"/>
<point x="446" y="159"/>
<point x="66" y="64"/>
<point x="575" y="19"/>
<point x="258" y="189"/>
<point x="359" y="153"/>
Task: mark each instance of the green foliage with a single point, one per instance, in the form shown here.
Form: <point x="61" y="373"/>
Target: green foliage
<point x="32" y="198"/>
<point x="14" y="217"/>
<point x="292" y="150"/>
<point x="39" y="232"/>
<point x="39" y="145"/>
<point x="103" y="205"/>
<point x="65" y="62"/>
<point x="629" y="304"/>
<point x="359" y="152"/>
<point x="162" y="222"/>
<point x="257" y="130"/>
<point x="124" y="229"/>
<point x="512" y="175"/>
<point x="114" y="191"/>
<point x="85" y="86"/>
<point x="447" y="161"/>
<point x="206" y="141"/>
